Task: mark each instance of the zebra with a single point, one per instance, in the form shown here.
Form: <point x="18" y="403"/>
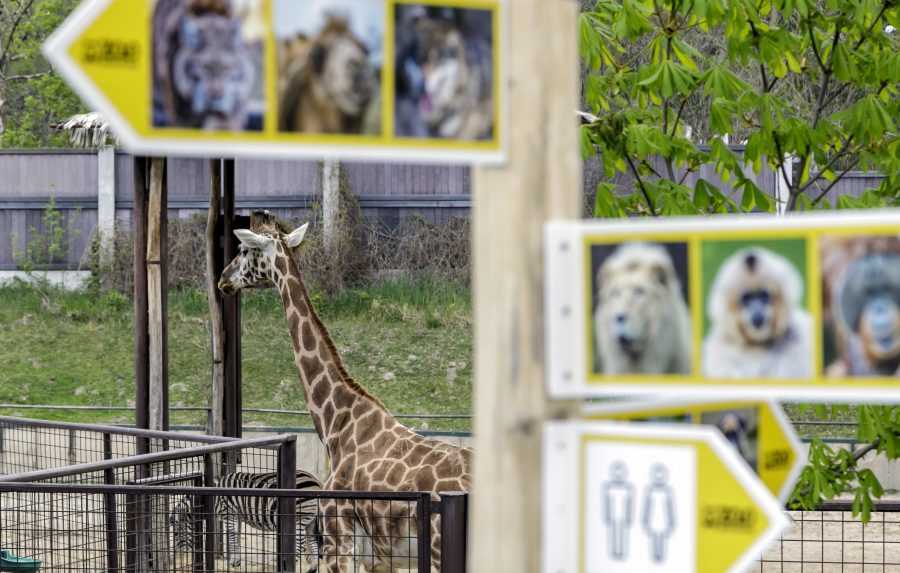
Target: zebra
<point x="257" y="512"/>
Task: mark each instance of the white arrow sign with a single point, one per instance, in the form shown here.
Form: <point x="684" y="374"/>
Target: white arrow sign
<point x="652" y="499"/>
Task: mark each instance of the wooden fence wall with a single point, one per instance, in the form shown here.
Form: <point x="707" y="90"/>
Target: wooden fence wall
<point x="386" y="192"/>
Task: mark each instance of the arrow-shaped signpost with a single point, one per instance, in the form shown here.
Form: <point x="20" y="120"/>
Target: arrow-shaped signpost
<point x="241" y="79"/>
<point x="651" y="498"/>
<point x="759" y="431"/>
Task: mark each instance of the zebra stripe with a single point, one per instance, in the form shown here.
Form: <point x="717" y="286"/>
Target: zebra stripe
<point x="258" y="512"/>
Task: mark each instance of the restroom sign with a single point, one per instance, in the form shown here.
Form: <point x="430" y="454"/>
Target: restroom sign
<point x="667" y="498"/>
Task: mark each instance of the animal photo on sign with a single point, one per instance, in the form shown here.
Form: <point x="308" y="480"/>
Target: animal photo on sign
<point x="329" y="65"/>
<point x="444" y="69"/>
<point x="741" y="428"/>
<point x="861" y="305"/>
<point x="640" y="322"/>
<point x="756" y="324"/>
<point x="207" y="68"/>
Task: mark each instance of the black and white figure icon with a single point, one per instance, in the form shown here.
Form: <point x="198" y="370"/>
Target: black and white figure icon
<point x="658" y="515"/>
<point x="618" y="510"/>
<point x="640" y="508"/>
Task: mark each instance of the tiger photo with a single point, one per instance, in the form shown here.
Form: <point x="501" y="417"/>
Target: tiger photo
<point x="207" y="64"/>
<point x="329" y="66"/>
<point x="444" y="72"/>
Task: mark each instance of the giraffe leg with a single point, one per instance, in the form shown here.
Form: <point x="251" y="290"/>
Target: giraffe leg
<point x="435" y="544"/>
<point x="336" y="554"/>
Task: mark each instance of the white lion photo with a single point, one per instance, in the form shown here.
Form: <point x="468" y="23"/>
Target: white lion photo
<point x="758" y="326"/>
<point x="641" y="322"/>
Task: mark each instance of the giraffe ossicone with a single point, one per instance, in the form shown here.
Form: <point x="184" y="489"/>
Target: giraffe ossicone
<point x="368" y="448"/>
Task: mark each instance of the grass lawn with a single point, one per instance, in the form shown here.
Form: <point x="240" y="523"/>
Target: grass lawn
<point x="409" y="343"/>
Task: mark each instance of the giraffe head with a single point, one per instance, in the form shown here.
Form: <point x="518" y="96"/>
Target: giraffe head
<point x="254" y="265"/>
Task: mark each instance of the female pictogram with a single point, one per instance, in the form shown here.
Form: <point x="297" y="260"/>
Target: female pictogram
<point x="658" y="517"/>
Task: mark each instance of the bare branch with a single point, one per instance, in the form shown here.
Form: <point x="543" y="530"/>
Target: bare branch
<point x="836" y="179"/>
<point x="641" y="184"/>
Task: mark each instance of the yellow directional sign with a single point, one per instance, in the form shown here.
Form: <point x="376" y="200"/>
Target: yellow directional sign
<point x="372" y="79"/>
<point x="621" y="498"/>
<point x="759" y="431"/>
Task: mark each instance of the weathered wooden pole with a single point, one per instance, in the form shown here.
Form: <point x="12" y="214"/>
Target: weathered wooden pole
<point x="157" y="291"/>
<point x="214" y="296"/>
<point x="141" y="335"/>
<point x="541" y="181"/>
<point x="231" y="310"/>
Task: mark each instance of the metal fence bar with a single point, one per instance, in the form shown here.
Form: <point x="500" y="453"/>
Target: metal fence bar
<point x="453" y="531"/>
<point x="423" y="514"/>
<point x="287" y="507"/>
<point x="112" y="528"/>
<point x="144" y="459"/>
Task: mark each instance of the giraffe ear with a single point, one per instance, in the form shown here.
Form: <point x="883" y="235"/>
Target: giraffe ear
<point x="296" y="237"/>
<point x="251" y="239"/>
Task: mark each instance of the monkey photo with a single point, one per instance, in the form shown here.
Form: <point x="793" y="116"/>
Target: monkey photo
<point x="444" y="72"/>
<point x="758" y="327"/>
<point x="329" y="66"/>
<point x="741" y="428"/>
<point x="207" y="64"/>
<point x="641" y="323"/>
<point x="861" y="306"/>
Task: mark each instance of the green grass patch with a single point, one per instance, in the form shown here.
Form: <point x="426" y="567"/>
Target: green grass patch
<point x="409" y="343"/>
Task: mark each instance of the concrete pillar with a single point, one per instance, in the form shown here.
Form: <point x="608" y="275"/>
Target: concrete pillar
<point x="331" y="202"/>
<point x="783" y="183"/>
<point x="106" y="202"/>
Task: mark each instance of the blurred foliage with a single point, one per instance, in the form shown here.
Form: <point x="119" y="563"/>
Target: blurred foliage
<point x="670" y="82"/>
<point x="32" y="96"/>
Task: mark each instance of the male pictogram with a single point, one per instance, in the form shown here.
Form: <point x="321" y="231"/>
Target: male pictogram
<point x="618" y="502"/>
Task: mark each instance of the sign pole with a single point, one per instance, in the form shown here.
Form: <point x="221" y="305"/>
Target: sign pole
<point x="542" y="180"/>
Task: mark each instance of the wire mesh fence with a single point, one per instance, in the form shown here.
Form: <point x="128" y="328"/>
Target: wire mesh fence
<point x="832" y="540"/>
<point x="196" y="504"/>
<point x="162" y="529"/>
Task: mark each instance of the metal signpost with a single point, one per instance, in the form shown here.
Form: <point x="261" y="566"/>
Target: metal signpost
<point x="756" y="307"/>
<point x="371" y="79"/>
<point x="651" y="498"/>
<point x="759" y="431"/>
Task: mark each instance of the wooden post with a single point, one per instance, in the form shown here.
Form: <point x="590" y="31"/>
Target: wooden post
<point x="157" y="297"/>
<point x="141" y="337"/>
<point x="541" y="181"/>
<point x="214" y="295"/>
<point x="331" y="203"/>
<point x="231" y="311"/>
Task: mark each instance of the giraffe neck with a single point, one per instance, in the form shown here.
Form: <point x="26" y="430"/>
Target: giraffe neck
<point x="334" y="399"/>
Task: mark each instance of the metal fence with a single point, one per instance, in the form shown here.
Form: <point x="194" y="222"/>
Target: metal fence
<point x="98" y="503"/>
<point x="831" y="540"/>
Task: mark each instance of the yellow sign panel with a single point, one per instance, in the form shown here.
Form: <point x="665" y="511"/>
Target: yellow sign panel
<point x="370" y="79"/>
<point x="736" y="307"/>
<point x="759" y="431"/>
<point x="652" y="498"/>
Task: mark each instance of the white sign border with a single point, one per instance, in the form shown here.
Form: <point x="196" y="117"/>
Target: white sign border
<point x="629" y="406"/>
<point x="561" y="476"/>
<point x="55" y="49"/>
<point x="565" y="344"/>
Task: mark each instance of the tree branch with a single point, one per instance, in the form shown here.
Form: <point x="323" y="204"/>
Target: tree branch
<point x="834" y="159"/>
<point x="641" y="184"/>
<point x="22" y="77"/>
<point x="5" y="45"/>
<point x="820" y="106"/>
<point x="833" y="183"/>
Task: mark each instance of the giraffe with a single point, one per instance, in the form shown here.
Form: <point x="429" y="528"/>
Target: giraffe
<point x="368" y="448"/>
